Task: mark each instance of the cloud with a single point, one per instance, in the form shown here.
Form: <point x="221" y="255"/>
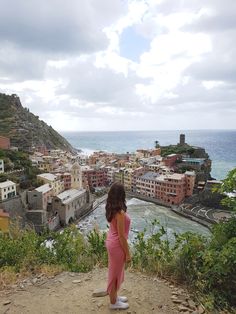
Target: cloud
<point x="32" y="32"/>
<point x="133" y="64"/>
<point x="56" y="26"/>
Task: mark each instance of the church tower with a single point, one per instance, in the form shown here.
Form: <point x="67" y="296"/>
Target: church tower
<point x="76" y="176"/>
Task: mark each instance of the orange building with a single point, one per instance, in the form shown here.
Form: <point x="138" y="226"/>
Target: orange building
<point x="4" y="221"/>
<point x="4" y="142"/>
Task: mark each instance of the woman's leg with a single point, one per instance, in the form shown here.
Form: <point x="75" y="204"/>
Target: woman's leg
<point x="113" y="293"/>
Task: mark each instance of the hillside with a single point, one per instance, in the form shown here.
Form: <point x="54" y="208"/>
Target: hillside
<point x="24" y="128"/>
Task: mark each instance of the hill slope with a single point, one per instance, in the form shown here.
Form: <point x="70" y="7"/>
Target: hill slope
<point x="24" y="128"/>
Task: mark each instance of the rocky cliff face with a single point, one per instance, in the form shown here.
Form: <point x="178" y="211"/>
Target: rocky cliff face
<point x="25" y="129"/>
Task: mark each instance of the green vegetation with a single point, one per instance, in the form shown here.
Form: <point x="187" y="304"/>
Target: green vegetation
<point x="229" y="186"/>
<point x="18" y="160"/>
<point x="176" y="149"/>
<point x="24" y="128"/>
<point x="27" y="250"/>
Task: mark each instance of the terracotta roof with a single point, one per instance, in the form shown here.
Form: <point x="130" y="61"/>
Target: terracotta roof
<point x="3" y="214"/>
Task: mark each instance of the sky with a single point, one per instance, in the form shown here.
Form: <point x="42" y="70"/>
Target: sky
<point x="102" y="65"/>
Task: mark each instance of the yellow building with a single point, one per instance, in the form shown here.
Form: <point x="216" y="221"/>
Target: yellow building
<point x="54" y="182"/>
<point x="4" y="222"/>
<point x="119" y="175"/>
<point x="128" y="174"/>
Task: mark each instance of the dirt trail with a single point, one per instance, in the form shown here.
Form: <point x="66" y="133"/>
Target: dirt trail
<point x="72" y="293"/>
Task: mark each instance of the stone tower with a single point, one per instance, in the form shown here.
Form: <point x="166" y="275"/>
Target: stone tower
<point x="76" y="176"/>
<point x="182" y="139"/>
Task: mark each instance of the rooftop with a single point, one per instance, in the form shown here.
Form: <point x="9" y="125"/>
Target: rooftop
<point x="6" y="184"/>
<point x="150" y="176"/>
<point x="190" y="173"/>
<point x="44" y="188"/>
<point x="47" y="176"/>
<point x="69" y="195"/>
<point x="3" y="214"/>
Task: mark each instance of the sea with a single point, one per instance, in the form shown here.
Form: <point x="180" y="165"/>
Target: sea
<point x="219" y="144"/>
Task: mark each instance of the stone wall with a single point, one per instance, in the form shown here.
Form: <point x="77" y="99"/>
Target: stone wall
<point x="15" y="208"/>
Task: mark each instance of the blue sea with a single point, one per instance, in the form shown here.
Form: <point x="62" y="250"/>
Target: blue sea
<point x="219" y="144"/>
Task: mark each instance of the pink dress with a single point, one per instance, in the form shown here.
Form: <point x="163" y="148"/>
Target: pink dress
<point x="116" y="255"/>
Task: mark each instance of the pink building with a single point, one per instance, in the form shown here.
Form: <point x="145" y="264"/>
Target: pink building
<point x="190" y="177"/>
<point x="4" y="142"/>
<point x="170" y="160"/>
<point x="66" y="178"/>
<point x="95" y="177"/>
<point x="170" y="189"/>
<point x="135" y="175"/>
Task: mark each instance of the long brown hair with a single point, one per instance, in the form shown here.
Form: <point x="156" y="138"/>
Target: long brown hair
<point x="115" y="200"/>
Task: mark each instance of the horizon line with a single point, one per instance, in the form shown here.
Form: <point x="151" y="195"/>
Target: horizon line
<point x="160" y="130"/>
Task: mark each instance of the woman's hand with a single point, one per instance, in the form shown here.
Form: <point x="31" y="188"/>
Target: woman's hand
<point x="128" y="258"/>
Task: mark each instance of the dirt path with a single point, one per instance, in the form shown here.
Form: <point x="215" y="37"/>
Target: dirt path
<point x="72" y="293"/>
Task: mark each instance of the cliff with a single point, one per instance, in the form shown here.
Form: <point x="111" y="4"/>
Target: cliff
<point x="24" y="129"/>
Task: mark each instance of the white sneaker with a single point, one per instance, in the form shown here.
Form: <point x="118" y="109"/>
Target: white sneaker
<point x="119" y="306"/>
<point x="122" y="299"/>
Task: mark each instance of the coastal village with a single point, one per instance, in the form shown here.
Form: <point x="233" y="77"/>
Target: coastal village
<point x="69" y="185"/>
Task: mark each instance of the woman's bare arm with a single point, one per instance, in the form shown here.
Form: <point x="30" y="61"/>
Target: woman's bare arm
<point x="120" y="218"/>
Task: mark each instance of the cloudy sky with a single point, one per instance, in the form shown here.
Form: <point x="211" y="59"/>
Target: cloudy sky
<point x="122" y="64"/>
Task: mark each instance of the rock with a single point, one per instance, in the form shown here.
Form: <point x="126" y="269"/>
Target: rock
<point x="99" y="293"/>
<point x="7" y="302"/>
<point x="200" y="309"/>
<point x="76" y="281"/>
<point x="191" y="304"/>
<point x="34" y="280"/>
<point x="129" y="312"/>
<point x="183" y="308"/>
<point x="174" y="293"/>
<point x="61" y="280"/>
<point x="100" y="304"/>
<point x="177" y="301"/>
<point x="72" y="274"/>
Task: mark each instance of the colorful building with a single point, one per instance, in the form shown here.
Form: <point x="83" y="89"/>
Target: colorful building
<point x="119" y="175"/>
<point x="4" y="142"/>
<point x="66" y="178"/>
<point x="7" y="190"/>
<point x="95" y="177"/>
<point x="53" y="180"/>
<point x="128" y="175"/>
<point x="169" y="188"/>
<point x="171" y="159"/>
<point x="4" y="222"/>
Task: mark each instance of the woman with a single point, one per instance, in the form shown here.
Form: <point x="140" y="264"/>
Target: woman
<point x="116" y="244"/>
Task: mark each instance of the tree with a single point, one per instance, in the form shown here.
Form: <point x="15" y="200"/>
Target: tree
<point x="157" y="145"/>
<point x="228" y="188"/>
